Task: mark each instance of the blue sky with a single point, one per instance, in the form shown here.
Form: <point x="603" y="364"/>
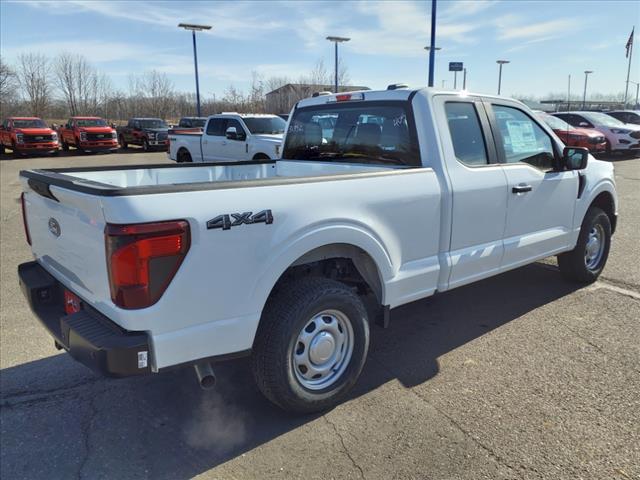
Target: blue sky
<point x="544" y="40"/>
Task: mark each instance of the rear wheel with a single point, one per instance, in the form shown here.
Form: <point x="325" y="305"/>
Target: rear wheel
<point x="587" y="260"/>
<point x="123" y="142"/>
<point x="311" y="345"/>
<point x="184" y="156"/>
<point x="65" y="146"/>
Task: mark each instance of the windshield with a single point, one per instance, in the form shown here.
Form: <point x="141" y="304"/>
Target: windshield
<point x="358" y="132"/>
<point x="602" y="119"/>
<point x="555" y="123"/>
<point x="258" y="125"/>
<point x="153" y="123"/>
<point x="37" y="123"/>
<point x="91" y="122"/>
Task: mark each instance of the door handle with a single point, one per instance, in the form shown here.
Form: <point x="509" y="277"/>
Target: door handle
<point x="521" y="189"/>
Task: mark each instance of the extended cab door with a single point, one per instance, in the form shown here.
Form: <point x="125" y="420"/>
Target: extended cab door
<point x="479" y="189"/>
<point x="541" y="200"/>
<point x="211" y="140"/>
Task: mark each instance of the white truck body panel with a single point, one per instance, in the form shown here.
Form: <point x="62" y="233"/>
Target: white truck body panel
<point x="426" y="229"/>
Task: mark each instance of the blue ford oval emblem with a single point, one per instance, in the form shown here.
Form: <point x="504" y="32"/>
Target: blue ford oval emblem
<point x="54" y="227"/>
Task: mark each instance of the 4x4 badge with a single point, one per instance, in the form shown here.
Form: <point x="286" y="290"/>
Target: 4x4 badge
<point x="225" y="222"/>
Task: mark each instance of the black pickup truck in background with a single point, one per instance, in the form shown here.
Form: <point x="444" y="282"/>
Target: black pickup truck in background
<point x="149" y="133"/>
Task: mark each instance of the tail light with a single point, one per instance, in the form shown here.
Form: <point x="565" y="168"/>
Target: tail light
<point x="24" y="218"/>
<point x="143" y="258"/>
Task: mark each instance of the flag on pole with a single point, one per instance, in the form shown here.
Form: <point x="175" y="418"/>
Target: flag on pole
<point x="629" y="43"/>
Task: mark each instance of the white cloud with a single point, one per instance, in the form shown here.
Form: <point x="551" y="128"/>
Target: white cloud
<point x="240" y="20"/>
<point x="526" y="30"/>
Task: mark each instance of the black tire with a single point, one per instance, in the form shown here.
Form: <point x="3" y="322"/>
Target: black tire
<point x="573" y="264"/>
<point x="65" y="146"/>
<point x="145" y="145"/>
<point x="123" y="142"/>
<point x="2" y="150"/>
<point x="283" y="319"/>
<point x="184" y="156"/>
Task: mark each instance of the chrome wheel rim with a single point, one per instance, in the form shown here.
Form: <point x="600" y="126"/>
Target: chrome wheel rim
<point x="594" y="248"/>
<point x="323" y="350"/>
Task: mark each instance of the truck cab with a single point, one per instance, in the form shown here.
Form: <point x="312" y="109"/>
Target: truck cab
<point x="27" y="135"/>
<point x="88" y="134"/>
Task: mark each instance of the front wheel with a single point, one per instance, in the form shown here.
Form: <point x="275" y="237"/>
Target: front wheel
<point x="587" y="260"/>
<point x="311" y="344"/>
<point x="145" y="145"/>
<point x="123" y="143"/>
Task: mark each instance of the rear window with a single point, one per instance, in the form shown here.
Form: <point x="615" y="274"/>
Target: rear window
<point x="354" y="132"/>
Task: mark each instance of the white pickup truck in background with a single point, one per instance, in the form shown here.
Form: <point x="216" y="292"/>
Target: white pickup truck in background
<point x="393" y="195"/>
<point x="230" y="137"/>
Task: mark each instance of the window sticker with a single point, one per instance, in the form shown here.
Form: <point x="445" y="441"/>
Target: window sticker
<point x="522" y="136"/>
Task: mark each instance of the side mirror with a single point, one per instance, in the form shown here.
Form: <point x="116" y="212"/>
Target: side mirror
<point x="232" y="133"/>
<point x="575" y="158"/>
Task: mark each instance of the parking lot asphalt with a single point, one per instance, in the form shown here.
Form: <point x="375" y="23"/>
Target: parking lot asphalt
<point x="521" y="376"/>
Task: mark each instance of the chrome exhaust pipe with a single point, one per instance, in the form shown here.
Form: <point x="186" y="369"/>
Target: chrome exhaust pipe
<point x="206" y="377"/>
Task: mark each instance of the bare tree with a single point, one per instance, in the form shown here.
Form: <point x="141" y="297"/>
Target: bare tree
<point x="8" y="88"/>
<point x="35" y="81"/>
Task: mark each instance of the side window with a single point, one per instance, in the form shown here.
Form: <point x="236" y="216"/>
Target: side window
<point x="232" y="122"/>
<point x="580" y="121"/>
<point x="523" y="140"/>
<point x="215" y="127"/>
<point x="466" y="133"/>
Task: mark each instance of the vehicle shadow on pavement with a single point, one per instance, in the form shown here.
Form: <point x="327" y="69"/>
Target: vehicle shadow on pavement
<point x="71" y="154"/>
<point x="164" y="426"/>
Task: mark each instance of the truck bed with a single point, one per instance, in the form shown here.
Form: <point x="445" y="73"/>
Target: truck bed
<point x="165" y="178"/>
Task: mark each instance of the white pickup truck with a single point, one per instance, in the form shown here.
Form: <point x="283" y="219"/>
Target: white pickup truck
<point x="394" y="194"/>
<point x="229" y="137"/>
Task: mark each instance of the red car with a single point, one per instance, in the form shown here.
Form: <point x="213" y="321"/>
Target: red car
<point x="575" y="137"/>
<point x="25" y="135"/>
<point x="88" y="134"/>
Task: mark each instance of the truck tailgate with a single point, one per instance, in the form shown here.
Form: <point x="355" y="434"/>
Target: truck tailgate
<point x="67" y="237"/>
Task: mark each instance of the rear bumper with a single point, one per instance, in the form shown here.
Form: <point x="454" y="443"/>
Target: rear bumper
<point x="88" y="336"/>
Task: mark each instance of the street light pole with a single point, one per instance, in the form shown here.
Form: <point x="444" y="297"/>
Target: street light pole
<point x="569" y="94"/>
<point x="500" y="63"/>
<point x="336" y="41"/>
<point x="464" y="79"/>
<point x="194" y="29"/>
<point x="584" y="95"/>
<point x="432" y="49"/>
<point x="637" y="84"/>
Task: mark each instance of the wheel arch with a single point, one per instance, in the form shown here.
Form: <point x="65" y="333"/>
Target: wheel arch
<point x="606" y="201"/>
<point x="261" y="156"/>
<point x="367" y="255"/>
